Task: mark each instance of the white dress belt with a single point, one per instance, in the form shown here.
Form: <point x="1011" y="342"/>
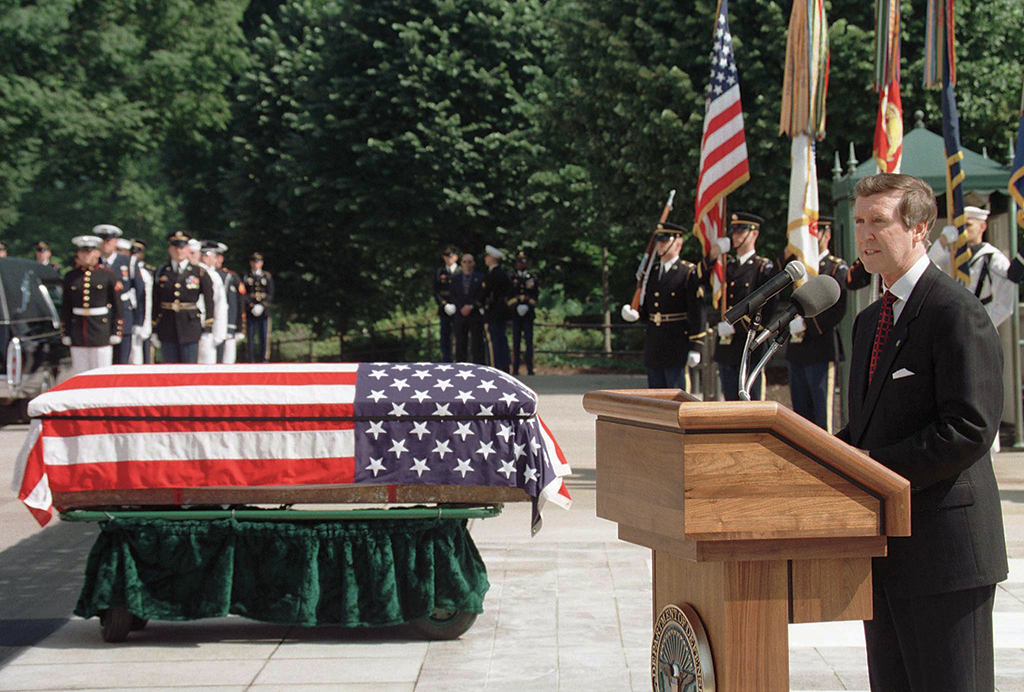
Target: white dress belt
<point x="90" y="312"/>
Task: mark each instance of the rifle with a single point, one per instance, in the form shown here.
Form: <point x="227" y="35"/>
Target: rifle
<point x="645" y="264"/>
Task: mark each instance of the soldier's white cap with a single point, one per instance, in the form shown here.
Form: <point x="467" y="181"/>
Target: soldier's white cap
<point x="107" y="230"/>
<point x="976" y="213"/>
<point x="86" y="242"/>
<point x="222" y="248"/>
<point x="494" y="252"/>
<point x="211" y="247"/>
<point x="194" y="244"/>
<point x="124" y="244"/>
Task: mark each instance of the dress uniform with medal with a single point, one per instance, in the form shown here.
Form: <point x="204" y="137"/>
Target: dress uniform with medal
<point x="443" y="279"/>
<point x="815" y="348"/>
<point x="259" y="291"/>
<point x="91" y="312"/>
<point x="673" y="308"/>
<point x="744" y="273"/>
<point x="178" y="286"/>
<point x="523" y="301"/>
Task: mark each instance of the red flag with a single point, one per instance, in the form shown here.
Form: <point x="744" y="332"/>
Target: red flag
<point x="889" y="129"/>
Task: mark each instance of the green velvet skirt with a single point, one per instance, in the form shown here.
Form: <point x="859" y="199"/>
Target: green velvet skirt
<point x="350" y="573"/>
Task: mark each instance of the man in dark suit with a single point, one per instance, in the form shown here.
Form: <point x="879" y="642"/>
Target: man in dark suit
<point x="468" y="291"/>
<point x="496" y="309"/>
<point x="177" y="288"/>
<point x="925" y="400"/>
<point x="443" y="278"/>
<point x="523" y="300"/>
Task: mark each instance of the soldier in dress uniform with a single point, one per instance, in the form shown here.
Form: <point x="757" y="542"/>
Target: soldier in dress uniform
<point x="523" y="302"/>
<point x="744" y="273"/>
<point x="468" y="291"/>
<point x="443" y="296"/>
<point x="496" y="309"/>
<point x="987" y="266"/>
<point x="142" y="347"/>
<point x="91" y="312"/>
<point x="215" y="331"/>
<point x="259" y="291"/>
<point x="43" y="255"/>
<point x="234" y="289"/>
<point x="178" y="287"/>
<point x="814" y="348"/>
<point x="673" y="308"/>
<point x="132" y="287"/>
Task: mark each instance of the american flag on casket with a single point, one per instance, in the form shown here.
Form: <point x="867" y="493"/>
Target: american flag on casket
<point x="277" y="424"/>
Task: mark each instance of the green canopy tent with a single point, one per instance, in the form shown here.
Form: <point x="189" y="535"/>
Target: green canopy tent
<point x="924" y="157"/>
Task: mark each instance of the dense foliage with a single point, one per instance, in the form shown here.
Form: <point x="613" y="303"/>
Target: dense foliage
<point x="349" y="140"/>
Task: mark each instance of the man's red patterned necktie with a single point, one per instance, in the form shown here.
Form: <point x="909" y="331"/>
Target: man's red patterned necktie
<point x="882" y="332"/>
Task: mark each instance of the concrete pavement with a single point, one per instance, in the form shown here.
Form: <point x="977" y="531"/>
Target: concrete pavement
<point x="567" y="610"/>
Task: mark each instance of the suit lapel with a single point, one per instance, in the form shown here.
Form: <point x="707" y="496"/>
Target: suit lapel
<point x="897" y="339"/>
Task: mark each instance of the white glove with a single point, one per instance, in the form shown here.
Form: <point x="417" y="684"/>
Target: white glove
<point x="797" y="325"/>
<point x="155" y="340"/>
<point x="725" y="329"/>
<point x="724" y="244"/>
<point x="449" y="309"/>
<point x="522" y="309"/>
<point x="218" y="342"/>
<point x="950" y="233"/>
<point x="137" y="330"/>
<point x="115" y="340"/>
<point x="257" y="310"/>
<point x="693" y="359"/>
<point x="66" y="340"/>
<point x="239" y="336"/>
<point x="629" y="314"/>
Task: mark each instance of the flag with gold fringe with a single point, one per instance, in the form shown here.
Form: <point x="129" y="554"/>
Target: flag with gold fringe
<point x="1017" y="177"/>
<point x="804" y="89"/>
<point x="888" y="142"/>
<point x="940" y="58"/>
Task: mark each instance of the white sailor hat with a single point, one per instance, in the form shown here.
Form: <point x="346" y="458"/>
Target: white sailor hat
<point x="124" y="244"/>
<point x="222" y="248"/>
<point x="976" y="213"/>
<point x="194" y="244"/>
<point x="494" y="252"/>
<point x="211" y="247"/>
<point x="107" y="230"/>
<point x="86" y="242"/>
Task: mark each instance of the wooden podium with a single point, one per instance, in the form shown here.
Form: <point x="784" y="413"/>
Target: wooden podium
<point x="755" y="517"/>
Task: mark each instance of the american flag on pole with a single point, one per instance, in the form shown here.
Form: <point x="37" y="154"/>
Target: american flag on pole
<point x="724" y="165"/>
<point x="189" y="426"/>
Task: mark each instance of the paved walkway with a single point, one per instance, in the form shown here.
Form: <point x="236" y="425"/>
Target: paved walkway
<point x="568" y="610"/>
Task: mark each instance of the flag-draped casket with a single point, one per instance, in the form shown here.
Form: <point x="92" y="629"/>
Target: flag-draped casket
<point x="287" y="426"/>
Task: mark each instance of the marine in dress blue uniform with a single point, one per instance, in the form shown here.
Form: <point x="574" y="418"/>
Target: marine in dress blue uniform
<point x="744" y="273"/>
<point x="91" y="310"/>
<point x="443" y="278"/>
<point x="496" y="309"/>
<point x="259" y="292"/>
<point x="177" y="288"/>
<point x="523" y="301"/>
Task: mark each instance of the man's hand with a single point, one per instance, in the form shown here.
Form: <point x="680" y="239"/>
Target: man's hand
<point x="629" y="314"/>
<point x="949" y="235"/>
<point x="239" y="336"/>
<point x="797" y="325"/>
<point x="115" y="340"/>
<point x="449" y="309"/>
<point x="257" y="310"/>
<point x="465" y="310"/>
<point x="155" y="340"/>
<point x="725" y="329"/>
<point x="522" y="309"/>
<point x="66" y="340"/>
<point x="719" y="247"/>
<point x="693" y="359"/>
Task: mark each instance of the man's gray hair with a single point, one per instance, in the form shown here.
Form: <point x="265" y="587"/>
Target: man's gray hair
<point x="917" y="204"/>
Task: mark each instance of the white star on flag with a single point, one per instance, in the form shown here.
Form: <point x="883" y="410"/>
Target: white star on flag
<point x="401" y="366"/>
<point x="421" y="374"/>
<point x="419" y="430"/>
<point x="504" y="432"/>
<point x="420" y="396"/>
<point x="442" y="448"/>
<point x="519" y="450"/>
<point x="376" y="429"/>
<point x="463" y="467"/>
<point x="398" y="409"/>
<point x="444" y="367"/>
<point x="486" y="448"/>
<point x="376" y="395"/>
<point x="508" y="468"/>
<point x="400" y="384"/>
<point x="463" y="396"/>
<point x="377" y="374"/>
<point x="534" y="445"/>
<point x="487" y="385"/>
<point x="397" y="447"/>
<point x="444" y="384"/>
<point x="419" y="466"/>
<point x="463" y="431"/>
<point x="376" y="465"/>
<point x="464" y="374"/>
<point x="531" y="474"/>
<point x="509" y="398"/>
<point x="487" y="410"/>
<point x="442" y="410"/>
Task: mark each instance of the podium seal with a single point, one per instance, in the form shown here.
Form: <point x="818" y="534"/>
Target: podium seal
<point x="680" y="653"/>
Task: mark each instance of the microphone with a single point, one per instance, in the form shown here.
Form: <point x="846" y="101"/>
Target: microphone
<point x="794" y="271"/>
<point x="810" y="300"/>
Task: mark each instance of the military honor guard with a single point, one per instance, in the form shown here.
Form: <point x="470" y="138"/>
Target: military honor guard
<point x="91" y="312"/>
<point x="814" y="348"/>
<point x="468" y="292"/>
<point x="987" y="266"/>
<point x="259" y="291"/>
<point x="132" y="287"/>
<point x="142" y="348"/>
<point x="234" y="289"/>
<point x="443" y="278"/>
<point x="43" y="255"/>
<point x="523" y="302"/>
<point x="179" y="286"/>
<point x="215" y="316"/>
<point x="672" y="305"/>
<point x="496" y="309"/>
<point x="744" y="273"/>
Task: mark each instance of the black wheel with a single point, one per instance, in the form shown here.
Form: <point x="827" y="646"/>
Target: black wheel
<point x="138" y="623"/>
<point x="445" y="624"/>
<point x="115" y="624"/>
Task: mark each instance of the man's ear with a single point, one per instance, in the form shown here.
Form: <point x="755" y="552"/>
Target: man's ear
<point x="920" y="232"/>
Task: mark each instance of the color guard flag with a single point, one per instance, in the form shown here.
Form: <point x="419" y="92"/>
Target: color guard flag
<point x="1017" y="177"/>
<point x="802" y="230"/>
<point x="888" y="143"/>
<point x="724" y="165"/>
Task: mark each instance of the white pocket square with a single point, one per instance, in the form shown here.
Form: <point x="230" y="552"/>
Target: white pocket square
<point x="901" y="373"/>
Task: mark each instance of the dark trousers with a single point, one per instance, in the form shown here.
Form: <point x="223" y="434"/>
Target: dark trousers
<point x="666" y="378"/>
<point x="730" y="377"/>
<point x="469" y="339"/>
<point x="446" y="338"/>
<point x="811" y="388"/>
<point x="147" y="352"/>
<point x="258" y="328"/>
<point x="940" y="643"/>
<point x="497" y="345"/>
<point x="522" y="327"/>
<point x="123" y="350"/>
<point x="180" y="353"/>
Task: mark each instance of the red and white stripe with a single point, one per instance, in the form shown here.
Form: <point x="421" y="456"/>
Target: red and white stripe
<point x="555" y="491"/>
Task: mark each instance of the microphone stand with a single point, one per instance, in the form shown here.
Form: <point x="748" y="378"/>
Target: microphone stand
<point x="755" y="324"/>
<point x="776" y="345"/>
